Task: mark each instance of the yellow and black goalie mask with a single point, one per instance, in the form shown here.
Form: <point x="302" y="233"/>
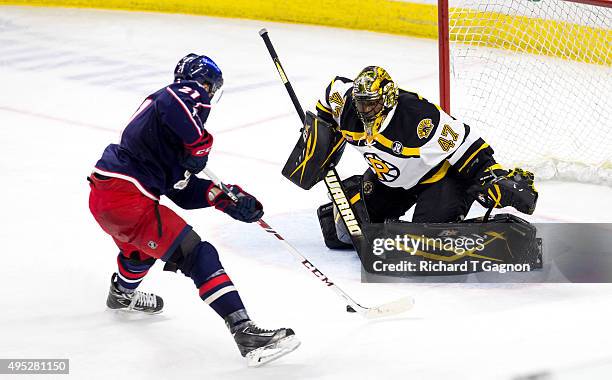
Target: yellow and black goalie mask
<point x="374" y="96"/>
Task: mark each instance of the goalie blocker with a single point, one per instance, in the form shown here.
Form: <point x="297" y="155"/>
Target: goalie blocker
<point x="318" y="149"/>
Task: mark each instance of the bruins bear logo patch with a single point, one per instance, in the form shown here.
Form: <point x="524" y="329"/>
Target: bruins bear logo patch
<point x="424" y="128"/>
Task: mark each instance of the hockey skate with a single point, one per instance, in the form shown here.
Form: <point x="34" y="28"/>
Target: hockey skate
<point x="138" y="301"/>
<point x="261" y="346"/>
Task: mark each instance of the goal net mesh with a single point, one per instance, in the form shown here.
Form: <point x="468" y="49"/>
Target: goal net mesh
<point x="535" y="78"/>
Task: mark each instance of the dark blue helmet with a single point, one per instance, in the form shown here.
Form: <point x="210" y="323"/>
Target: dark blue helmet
<point x="201" y="69"/>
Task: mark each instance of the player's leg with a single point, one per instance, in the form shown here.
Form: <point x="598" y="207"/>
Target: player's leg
<point x="371" y="200"/>
<point x="445" y="201"/>
<point x="119" y="209"/>
<point x="199" y="260"/>
<point x="335" y="234"/>
<point x="138" y="223"/>
<point x="157" y="231"/>
<point x="383" y="202"/>
<point x="131" y="270"/>
<point x="132" y="267"/>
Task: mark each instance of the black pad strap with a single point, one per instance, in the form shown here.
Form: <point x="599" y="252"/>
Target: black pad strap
<point x="186" y="247"/>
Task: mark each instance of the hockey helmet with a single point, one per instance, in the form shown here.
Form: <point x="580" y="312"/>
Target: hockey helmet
<point x="201" y="69"/>
<point x="374" y="96"/>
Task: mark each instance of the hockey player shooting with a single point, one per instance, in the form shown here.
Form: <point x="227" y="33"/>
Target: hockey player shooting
<point x="162" y="147"/>
<point x="417" y="155"/>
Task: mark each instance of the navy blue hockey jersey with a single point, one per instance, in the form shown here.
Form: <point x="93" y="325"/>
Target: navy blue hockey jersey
<point x="158" y="136"/>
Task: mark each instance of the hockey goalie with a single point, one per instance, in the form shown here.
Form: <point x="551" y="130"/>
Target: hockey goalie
<point x="417" y="156"/>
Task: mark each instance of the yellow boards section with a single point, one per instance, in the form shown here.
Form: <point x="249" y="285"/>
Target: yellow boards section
<point x="567" y="40"/>
<point x="511" y="32"/>
<point x="387" y="16"/>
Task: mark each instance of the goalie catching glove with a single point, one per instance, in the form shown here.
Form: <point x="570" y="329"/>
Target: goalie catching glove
<point x="248" y="209"/>
<point x="501" y="188"/>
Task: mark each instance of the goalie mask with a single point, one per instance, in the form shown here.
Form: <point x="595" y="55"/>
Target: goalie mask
<point x="374" y="96"/>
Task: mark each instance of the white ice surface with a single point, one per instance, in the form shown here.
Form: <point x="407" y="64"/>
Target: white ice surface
<point x="70" y="80"/>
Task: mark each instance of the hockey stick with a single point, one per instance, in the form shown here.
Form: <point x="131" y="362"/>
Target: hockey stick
<point x="334" y="187"/>
<point x="387" y="309"/>
<point x="296" y="103"/>
<point x="332" y="179"/>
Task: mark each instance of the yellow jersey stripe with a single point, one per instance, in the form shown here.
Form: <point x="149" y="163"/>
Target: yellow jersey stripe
<point x="439" y="174"/>
<point x="410" y="152"/>
<point x="353" y="135"/>
<point x="323" y="108"/>
<point x="484" y="145"/>
<point x="406" y="151"/>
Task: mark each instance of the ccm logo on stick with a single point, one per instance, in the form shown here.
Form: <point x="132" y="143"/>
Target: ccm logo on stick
<point x="317" y="272"/>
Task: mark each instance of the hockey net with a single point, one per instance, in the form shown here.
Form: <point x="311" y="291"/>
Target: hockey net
<point x="535" y="79"/>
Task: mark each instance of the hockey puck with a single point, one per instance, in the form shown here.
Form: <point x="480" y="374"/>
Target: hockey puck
<point x="349" y="309"/>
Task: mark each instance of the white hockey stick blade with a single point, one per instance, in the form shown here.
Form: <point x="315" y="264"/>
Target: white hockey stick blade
<point x="392" y="308"/>
<point x="263" y="355"/>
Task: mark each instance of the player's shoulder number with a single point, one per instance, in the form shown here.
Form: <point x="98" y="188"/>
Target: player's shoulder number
<point x="189" y="91"/>
<point x="448" y="138"/>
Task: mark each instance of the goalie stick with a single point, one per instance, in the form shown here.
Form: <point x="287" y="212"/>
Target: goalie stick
<point x="334" y="187"/>
<point x="385" y="310"/>
<point x="332" y="179"/>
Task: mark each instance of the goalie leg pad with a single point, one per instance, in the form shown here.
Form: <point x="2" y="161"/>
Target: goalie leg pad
<point x="504" y="240"/>
<point x="328" y="228"/>
<point x="335" y="234"/>
<point x="353" y="189"/>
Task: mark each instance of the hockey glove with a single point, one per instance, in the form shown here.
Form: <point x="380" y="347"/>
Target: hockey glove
<point x="500" y="188"/>
<point x="248" y="209"/>
<point x="196" y="154"/>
